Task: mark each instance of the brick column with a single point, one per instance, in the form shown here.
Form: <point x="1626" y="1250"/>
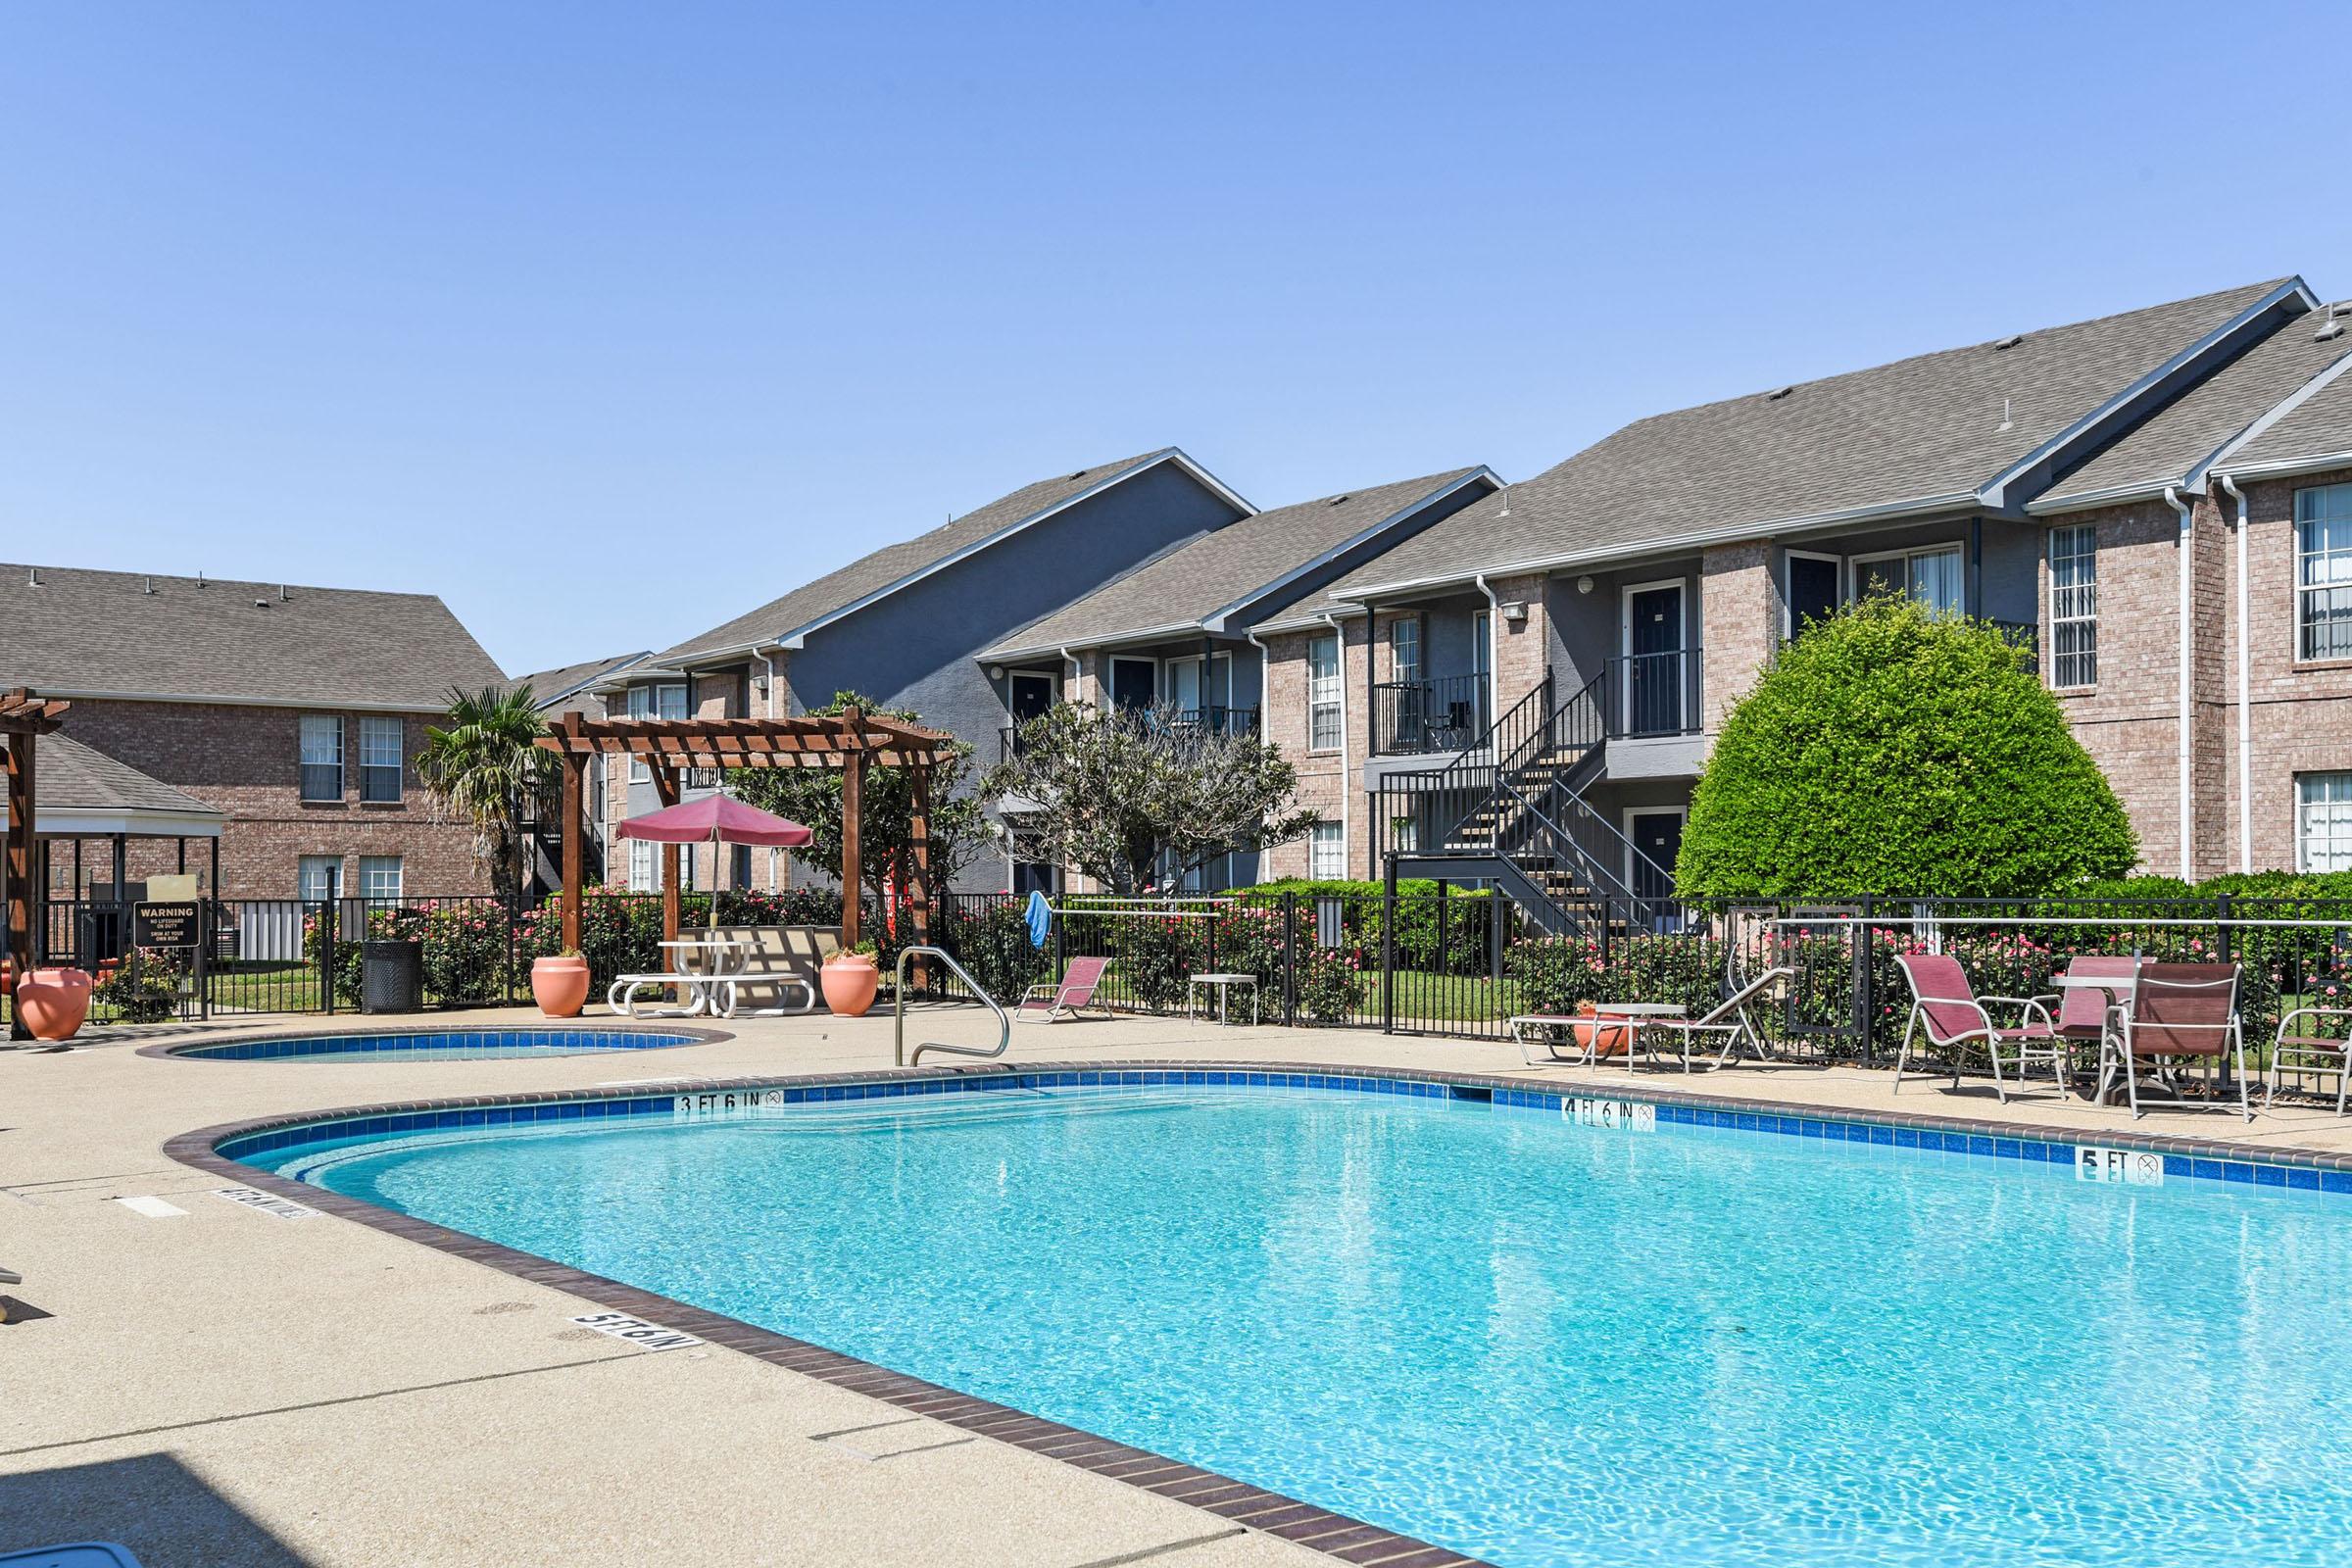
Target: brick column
<point x="1740" y="621"/>
<point x="1522" y="652"/>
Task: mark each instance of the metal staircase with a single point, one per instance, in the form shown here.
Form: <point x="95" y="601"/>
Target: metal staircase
<point x="1510" y="810"/>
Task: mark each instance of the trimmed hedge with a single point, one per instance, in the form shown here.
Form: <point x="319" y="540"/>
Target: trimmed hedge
<point x="1890" y="751"/>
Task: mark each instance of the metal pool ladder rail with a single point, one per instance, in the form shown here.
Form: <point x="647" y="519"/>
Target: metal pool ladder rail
<point x="898" y="1008"/>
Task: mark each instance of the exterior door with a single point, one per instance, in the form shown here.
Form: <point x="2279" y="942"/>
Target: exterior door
<point x="1658" y="835"/>
<point x="1812" y="590"/>
<point x="1654" y="645"/>
<point x="1184" y="685"/>
<point x="1131" y="682"/>
<point x="1031" y="696"/>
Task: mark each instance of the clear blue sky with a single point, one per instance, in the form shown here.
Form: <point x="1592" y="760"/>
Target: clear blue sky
<point x="607" y="322"/>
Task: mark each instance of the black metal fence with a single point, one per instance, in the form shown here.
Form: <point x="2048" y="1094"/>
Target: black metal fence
<point x="1448" y="960"/>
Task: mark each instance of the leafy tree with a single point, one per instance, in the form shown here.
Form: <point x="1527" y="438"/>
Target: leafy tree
<point x="484" y="770"/>
<point x="1128" y="796"/>
<point x="811" y="796"/>
<point x="1893" y="751"/>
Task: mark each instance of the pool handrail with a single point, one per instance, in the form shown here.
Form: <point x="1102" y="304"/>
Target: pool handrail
<point x="899" y="1009"/>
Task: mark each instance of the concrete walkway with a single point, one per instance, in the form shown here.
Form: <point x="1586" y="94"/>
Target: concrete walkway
<point x="215" y="1385"/>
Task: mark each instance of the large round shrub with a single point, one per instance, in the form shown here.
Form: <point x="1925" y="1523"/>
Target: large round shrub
<point x="1892" y="750"/>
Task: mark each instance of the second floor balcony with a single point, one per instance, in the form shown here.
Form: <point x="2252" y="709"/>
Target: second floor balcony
<point x="1412" y="717"/>
<point x="1194" y="720"/>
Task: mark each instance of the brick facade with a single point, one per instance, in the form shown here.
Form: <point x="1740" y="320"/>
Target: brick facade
<point x="1740" y="622"/>
<point x="1329" y="780"/>
<point x="247" y="761"/>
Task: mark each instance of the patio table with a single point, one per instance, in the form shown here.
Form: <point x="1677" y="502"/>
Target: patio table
<point x="727" y="957"/>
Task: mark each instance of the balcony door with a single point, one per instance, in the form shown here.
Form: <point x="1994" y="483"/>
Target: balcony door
<point x="1133" y="682"/>
<point x="1654" y="631"/>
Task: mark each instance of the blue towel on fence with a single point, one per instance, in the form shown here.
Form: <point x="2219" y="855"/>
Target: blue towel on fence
<point x="1041" y="919"/>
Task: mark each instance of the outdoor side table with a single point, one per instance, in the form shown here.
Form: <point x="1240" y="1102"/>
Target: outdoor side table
<point x="1631" y="1014"/>
<point x="1224" y="984"/>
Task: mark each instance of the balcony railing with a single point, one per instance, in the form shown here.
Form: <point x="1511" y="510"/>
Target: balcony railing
<point x="1654" y="694"/>
<point x="1208" y="720"/>
<point x="1414" y="717"/>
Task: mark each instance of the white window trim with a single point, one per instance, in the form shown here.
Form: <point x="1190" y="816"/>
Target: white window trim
<point x="1836" y="564"/>
<point x="334" y="881"/>
<point x="1338" y="701"/>
<point x="1216" y="665"/>
<point x="2049" y="556"/>
<point x="400" y="878"/>
<point x="1315" y="837"/>
<point x="2302" y="839"/>
<point x="1419" y="622"/>
<point x="400" y="755"/>
<point x="302" y="758"/>
<point x="2296" y="586"/>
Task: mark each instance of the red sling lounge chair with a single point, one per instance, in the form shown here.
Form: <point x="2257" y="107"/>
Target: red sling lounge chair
<point x="2180" y="1013"/>
<point x="1055" y="1003"/>
<point x="1949" y="1015"/>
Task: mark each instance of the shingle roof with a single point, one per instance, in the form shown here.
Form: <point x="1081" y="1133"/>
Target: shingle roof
<point x="2173" y="446"/>
<point x="568" y="690"/>
<point x="1183" y="587"/>
<point x="130" y="633"/>
<point x="71" y="776"/>
<point x="2315" y="432"/>
<point x="893" y="564"/>
<point x="1916" y="432"/>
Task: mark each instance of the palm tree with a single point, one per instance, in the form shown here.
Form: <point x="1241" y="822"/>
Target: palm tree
<point x="483" y="768"/>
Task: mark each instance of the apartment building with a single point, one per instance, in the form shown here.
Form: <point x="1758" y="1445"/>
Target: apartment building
<point x="905" y="625"/>
<point x="289" y="716"/>
<point x="1175" y="631"/>
<point x="1581" y="635"/>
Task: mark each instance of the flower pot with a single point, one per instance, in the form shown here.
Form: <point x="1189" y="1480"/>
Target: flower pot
<point x="560" y="985"/>
<point x="1615" y="1038"/>
<point x="849" y="981"/>
<point x="53" y="1001"/>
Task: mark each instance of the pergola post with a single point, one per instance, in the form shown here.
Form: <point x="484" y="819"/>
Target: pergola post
<point x="918" y="867"/>
<point x="575" y="819"/>
<point x="853" y="828"/>
<point x="20" y="883"/>
<point x="665" y="790"/>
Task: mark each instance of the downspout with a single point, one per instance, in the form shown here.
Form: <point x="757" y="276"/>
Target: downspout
<point x="1265" y="666"/>
<point x="2245" y="701"/>
<point x="2187" y="508"/>
<point x="775" y="882"/>
<point x="1339" y="637"/>
<point x="1493" y="649"/>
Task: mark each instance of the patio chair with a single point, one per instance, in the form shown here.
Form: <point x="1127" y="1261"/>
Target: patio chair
<point x="1731" y="1018"/>
<point x="2294" y="1053"/>
<point x="2180" y="1013"/>
<point x="1949" y="1014"/>
<point x="1075" y="990"/>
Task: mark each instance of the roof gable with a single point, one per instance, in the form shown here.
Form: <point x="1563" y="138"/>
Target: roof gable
<point x="895" y="566"/>
<point x="1956" y="428"/>
<point x="67" y="632"/>
<point x="1195" y="586"/>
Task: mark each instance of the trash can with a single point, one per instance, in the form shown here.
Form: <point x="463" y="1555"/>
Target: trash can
<point x="391" y="976"/>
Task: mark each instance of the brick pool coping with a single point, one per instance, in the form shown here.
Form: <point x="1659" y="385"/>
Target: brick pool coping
<point x="1338" y="1535"/>
<point x="194" y="1050"/>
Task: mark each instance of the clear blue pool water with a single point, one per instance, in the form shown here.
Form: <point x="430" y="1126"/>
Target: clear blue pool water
<point x="438" y="1044"/>
<point x="1547" y="1344"/>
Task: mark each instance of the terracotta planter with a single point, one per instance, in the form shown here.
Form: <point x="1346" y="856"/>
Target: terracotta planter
<point x="560" y="985"/>
<point x="1615" y="1038"/>
<point x="849" y="981"/>
<point x="54" y="1002"/>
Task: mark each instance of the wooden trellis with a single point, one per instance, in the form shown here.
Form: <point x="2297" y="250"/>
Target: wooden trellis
<point x="850" y="741"/>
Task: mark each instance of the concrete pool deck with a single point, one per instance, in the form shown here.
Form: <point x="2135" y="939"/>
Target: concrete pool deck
<point x="219" y="1386"/>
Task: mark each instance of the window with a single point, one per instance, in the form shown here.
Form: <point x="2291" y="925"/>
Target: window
<point x="1933" y="577"/>
<point x="2324" y="821"/>
<point x="2324" y="572"/>
<point x="1323" y="693"/>
<point x="321" y="756"/>
<point x="666" y="701"/>
<point x="319" y="878"/>
<point x="380" y="878"/>
<point x="1405" y="651"/>
<point x="1482" y="641"/>
<point x="1326" y="851"/>
<point x="2073" y="607"/>
<point x="741" y="873"/>
<point x="645" y="875"/>
<point x="1404" y="835"/>
<point x="380" y="744"/>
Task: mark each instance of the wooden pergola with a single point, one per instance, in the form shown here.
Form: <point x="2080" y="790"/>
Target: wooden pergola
<point x="852" y="742"/>
<point x="23" y="717"/>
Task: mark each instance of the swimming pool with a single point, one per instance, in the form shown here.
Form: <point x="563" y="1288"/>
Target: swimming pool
<point x="1556" y="1333"/>
<point x="439" y="1044"/>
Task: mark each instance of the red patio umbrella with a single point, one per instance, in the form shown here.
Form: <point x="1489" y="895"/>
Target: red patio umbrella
<point x="715" y="820"/>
